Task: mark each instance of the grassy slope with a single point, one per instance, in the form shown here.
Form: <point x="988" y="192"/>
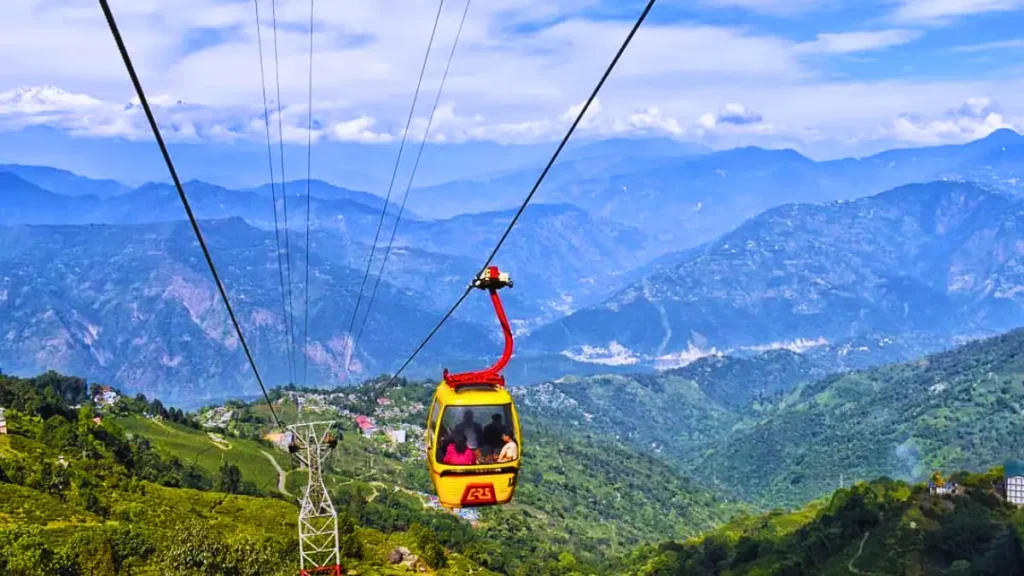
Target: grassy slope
<point x="160" y="512"/>
<point x="195" y="446"/>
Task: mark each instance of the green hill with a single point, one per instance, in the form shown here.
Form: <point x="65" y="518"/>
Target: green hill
<point x="884" y="527"/>
<point x="802" y="438"/>
<point x="589" y="494"/>
<point x="79" y="497"/>
<point x="582" y="498"/>
<point x="954" y="410"/>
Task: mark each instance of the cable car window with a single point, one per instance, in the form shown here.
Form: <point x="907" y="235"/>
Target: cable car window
<point x="476" y="435"/>
<point x="434" y="413"/>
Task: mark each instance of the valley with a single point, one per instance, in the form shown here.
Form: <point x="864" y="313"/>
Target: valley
<point x="754" y="394"/>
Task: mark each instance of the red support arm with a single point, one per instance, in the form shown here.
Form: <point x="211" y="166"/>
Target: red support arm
<point x="491" y="375"/>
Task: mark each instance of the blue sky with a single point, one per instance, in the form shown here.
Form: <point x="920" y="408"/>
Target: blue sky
<point x="827" y="77"/>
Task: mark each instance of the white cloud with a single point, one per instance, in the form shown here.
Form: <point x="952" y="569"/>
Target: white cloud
<point x="944" y="11"/>
<point x="650" y="120"/>
<point x="84" y="115"/>
<point x="733" y="113"/>
<point x="976" y="107"/>
<point x="986" y="46"/>
<point x="505" y="85"/>
<point x="852" y="42"/>
<point x="358" y="130"/>
<point x="975" y="118"/>
<point x="456" y="128"/>
<point x="589" y="118"/>
<point x="774" y="7"/>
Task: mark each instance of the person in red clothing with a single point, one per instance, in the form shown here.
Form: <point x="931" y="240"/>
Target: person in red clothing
<point x="458" y="452"/>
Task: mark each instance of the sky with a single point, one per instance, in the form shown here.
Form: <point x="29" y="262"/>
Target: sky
<point x="827" y="77"/>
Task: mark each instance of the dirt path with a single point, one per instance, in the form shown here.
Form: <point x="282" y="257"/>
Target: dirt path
<point x="280" y="474"/>
<point x="162" y="425"/>
<point x="373" y="486"/>
<point x="860" y="551"/>
<point x="219" y="442"/>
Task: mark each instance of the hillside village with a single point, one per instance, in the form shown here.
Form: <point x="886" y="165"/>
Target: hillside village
<point x="387" y="429"/>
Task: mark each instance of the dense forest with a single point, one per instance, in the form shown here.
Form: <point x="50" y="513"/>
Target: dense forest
<point x="879" y="527"/>
<point x="797" y="438"/>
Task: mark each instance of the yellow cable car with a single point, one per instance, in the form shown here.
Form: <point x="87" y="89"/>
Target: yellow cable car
<point x="473" y="439"/>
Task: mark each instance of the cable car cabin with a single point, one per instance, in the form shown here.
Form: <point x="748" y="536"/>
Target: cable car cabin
<point x="473" y="435"/>
<point x="479" y="418"/>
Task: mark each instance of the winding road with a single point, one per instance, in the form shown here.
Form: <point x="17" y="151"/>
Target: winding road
<point x="859" y="552"/>
<point x="280" y="474"/>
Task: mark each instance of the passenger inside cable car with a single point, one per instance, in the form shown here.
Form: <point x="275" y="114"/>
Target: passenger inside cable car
<point x="492" y="435"/>
<point x="509" y="449"/>
<point x="461" y="434"/>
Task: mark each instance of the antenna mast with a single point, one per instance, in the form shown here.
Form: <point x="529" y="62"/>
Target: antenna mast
<point x="318" y="521"/>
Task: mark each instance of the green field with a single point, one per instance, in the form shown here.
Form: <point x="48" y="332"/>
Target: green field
<point x="194" y="446"/>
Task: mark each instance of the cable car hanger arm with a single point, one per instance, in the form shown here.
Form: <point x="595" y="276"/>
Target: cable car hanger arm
<point x="491" y="280"/>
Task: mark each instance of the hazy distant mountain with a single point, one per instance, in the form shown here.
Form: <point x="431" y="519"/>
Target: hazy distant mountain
<point x="243" y="164"/>
<point x="556" y="253"/>
<point x="136" y="306"/>
<point x="64" y="182"/>
<point x="326" y="191"/>
<point x="940" y="258"/>
<point x="24" y="202"/>
<point x="685" y="200"/>
<point x="559" y="255"/>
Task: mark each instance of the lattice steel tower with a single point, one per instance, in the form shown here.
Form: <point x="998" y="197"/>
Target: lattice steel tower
<point x="318" y="521"/>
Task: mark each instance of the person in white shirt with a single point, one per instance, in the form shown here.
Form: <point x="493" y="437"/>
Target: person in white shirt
<point x="509" y="451"/>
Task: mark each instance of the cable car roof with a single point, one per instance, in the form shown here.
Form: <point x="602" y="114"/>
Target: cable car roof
<point x="469" y="395"/>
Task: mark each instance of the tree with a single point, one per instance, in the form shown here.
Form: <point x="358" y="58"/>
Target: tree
<point x="429" y="548"/>
<point x="348" y="542"/>
<point x="230" y="480"/>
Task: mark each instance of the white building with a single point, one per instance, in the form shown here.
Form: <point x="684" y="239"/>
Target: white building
<point x="3" y="422"/>
<point x="106" y="396"/>
<point x="396" y="436"/>
<point x="944" y="490"/>
<point x="1014" y="477"/>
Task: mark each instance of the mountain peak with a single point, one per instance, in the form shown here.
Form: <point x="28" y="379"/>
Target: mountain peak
<point x="1004" y="136"/>
<point x="759" y="152"/>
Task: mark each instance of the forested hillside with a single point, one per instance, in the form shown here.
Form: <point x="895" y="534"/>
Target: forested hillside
<point x="950" y="410"/>
<point x="883" y="527"/>
<point x="771" y="430"/>
<point x="67" y="479"/>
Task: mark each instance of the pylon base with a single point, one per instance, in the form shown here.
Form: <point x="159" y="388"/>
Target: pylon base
<point x="334" y="570"/>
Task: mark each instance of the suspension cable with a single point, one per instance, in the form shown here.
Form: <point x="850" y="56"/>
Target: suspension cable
<point x="394" y="174"/>
<point x="284" y="196"/>
<point x="273" y="192"/>
<point x="309" y="172"/>
<point x="184" y="199"/>
<point x="526" y="201"/>
<point x="412" y="176"/>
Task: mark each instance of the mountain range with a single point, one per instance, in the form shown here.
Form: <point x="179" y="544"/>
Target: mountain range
<point x="599" y="288"/>
<point x="684" y="200"/>
<point x="943" y="259"/>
